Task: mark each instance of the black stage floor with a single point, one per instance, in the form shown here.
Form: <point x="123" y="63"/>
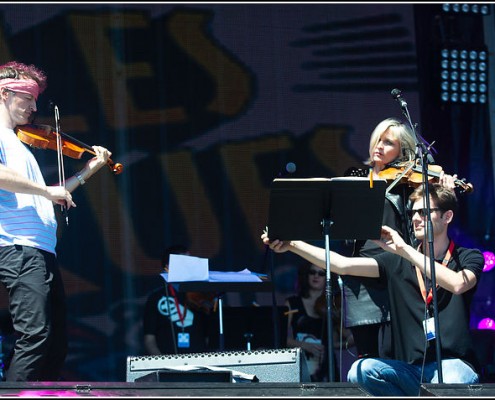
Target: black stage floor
<point x="217" y="390"/>
<point x="176" y="389"/>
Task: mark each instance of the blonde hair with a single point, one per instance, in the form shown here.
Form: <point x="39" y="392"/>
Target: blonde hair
<point x="401" y="132"/>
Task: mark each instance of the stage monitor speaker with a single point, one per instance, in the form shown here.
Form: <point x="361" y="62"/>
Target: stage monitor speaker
<point x="457" y="390"/>
<point x="187" y="376"/>
<point x="277" y="365"/>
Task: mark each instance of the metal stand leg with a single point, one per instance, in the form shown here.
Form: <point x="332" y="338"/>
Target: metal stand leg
<point x="328" y="292"/>
<point x="248" y="336"/>
<point x="221" y="344"/>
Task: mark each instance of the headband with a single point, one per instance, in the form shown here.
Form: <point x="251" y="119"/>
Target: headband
<point x="28" y="86"/>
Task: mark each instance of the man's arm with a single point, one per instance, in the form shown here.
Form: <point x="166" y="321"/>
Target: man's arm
<point x="92" y="166"/>
<point x="456" y="282"/>
<point x="151" y="345"/>
<point x="12" y="181"/>
<point x="357" y="266"/>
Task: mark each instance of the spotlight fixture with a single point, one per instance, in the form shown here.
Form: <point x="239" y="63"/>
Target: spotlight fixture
<point x="486" y="323"/>
<point x="489" y="261"/>
<point x="466" y="8"/>
<point x="464" y="75"/>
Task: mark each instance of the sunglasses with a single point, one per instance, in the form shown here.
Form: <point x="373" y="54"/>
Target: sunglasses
<point x="421" y="211"/>
<point x="319" y="273"/>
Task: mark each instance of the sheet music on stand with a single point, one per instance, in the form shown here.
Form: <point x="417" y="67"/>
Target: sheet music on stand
<point x="346" y="208"/>
<point x="298" y="206"/>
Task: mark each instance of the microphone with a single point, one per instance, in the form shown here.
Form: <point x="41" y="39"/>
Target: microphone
<point x="397" y="95"/>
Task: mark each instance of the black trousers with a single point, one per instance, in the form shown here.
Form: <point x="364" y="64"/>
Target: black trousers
<point x="38" y="310"/>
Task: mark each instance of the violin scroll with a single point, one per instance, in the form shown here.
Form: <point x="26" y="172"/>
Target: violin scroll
<point x="116" y="168"/>
<point x="466" y="187"/>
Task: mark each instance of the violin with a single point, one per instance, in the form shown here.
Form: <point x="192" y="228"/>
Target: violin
<point x="412" y="174"/>
<point x="45" y="137"/>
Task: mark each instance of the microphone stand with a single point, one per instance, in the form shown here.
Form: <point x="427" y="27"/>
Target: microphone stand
<point x="423" y="153"/>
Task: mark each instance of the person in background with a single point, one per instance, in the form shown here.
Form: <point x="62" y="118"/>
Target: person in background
<point x="306" y="319"/>
<point x="176" y="322"/>
<point x="406" y="272"/>
<point x="28" y="232"/>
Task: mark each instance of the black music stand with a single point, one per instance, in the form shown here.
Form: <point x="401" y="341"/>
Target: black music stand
<point x="221" y="288"/>
<point x="315" y="208"/>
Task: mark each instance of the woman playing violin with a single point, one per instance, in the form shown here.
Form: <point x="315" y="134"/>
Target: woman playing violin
<point x="28" y="232"/>
<point x="366" y="303"/>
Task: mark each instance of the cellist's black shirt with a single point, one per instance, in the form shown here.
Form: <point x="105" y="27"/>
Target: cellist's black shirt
<point x="408" y="311"/>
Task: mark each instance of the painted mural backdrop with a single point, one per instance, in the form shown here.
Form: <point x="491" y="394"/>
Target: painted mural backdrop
<point x="203" y="105"/>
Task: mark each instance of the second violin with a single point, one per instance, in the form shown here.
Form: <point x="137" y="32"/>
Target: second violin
<point x="45" y="137"/>
<point x="411" y="173"/>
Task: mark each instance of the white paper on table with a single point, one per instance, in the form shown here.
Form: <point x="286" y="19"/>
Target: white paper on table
<point x="183" y="268"/>
<point x="242" y="276"/>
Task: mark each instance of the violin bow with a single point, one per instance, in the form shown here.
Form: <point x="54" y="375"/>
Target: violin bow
<point x="60" y="159"/>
